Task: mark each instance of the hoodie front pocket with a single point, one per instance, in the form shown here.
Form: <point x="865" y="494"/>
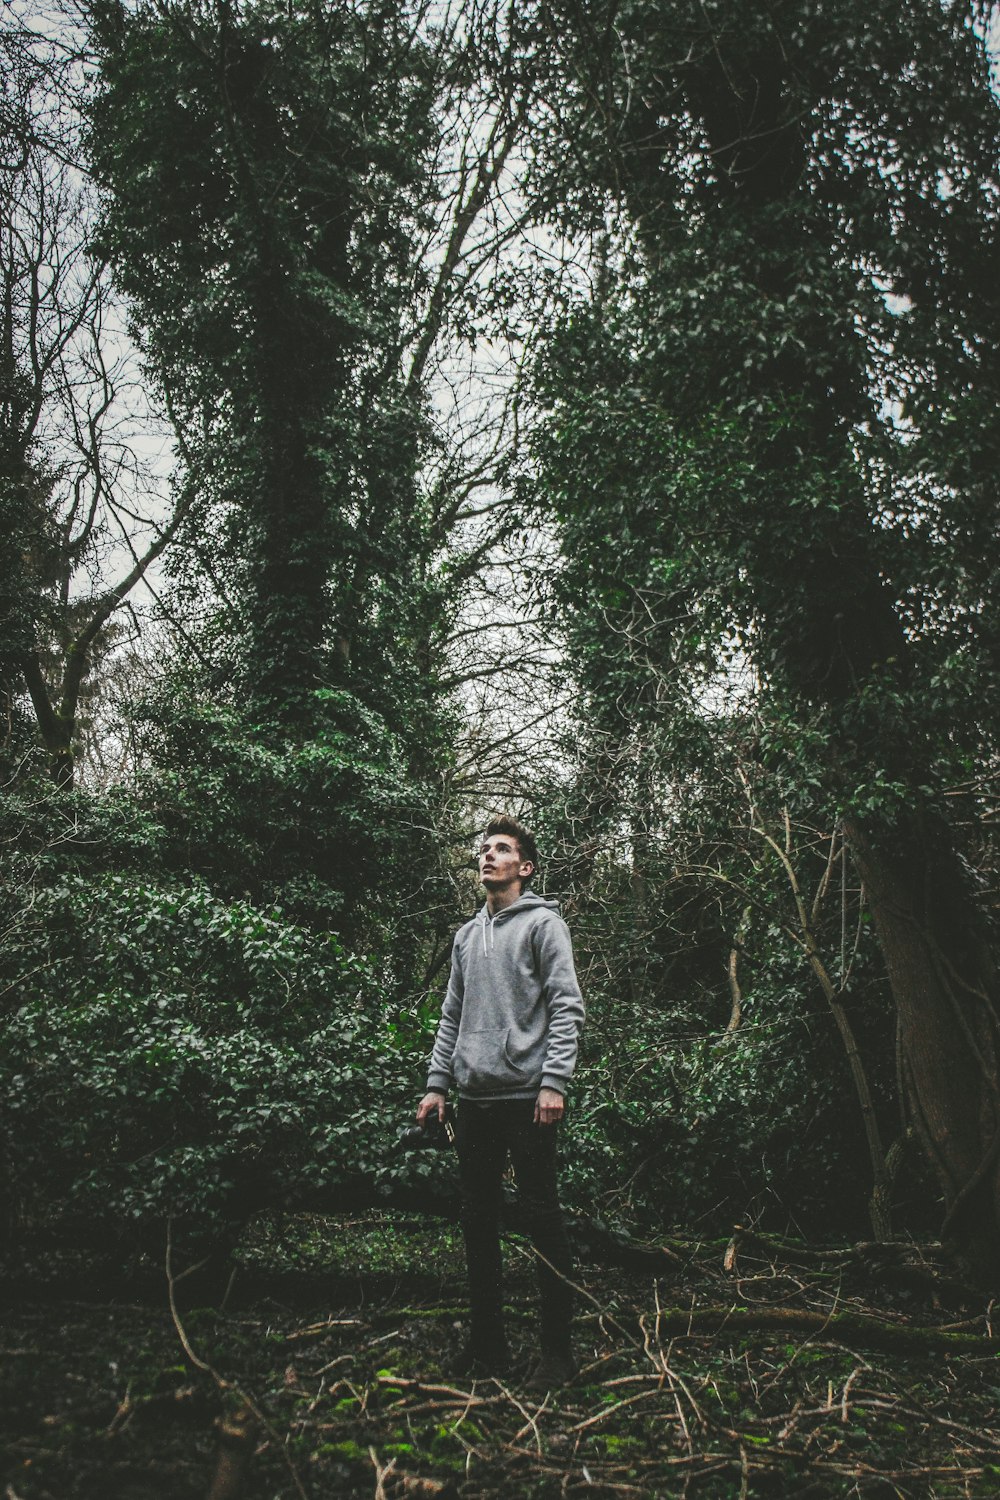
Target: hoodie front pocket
<point x="482" y="1059"/>
<point x="518" y="1052"/>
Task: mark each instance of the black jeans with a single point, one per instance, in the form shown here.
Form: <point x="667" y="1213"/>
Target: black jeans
<point x="486" y="1135"/>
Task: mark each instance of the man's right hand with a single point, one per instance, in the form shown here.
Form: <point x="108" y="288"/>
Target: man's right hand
<point x="432" y="1103"/>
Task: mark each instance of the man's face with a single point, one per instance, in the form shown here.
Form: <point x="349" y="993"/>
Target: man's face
<point x="500" y="863"/>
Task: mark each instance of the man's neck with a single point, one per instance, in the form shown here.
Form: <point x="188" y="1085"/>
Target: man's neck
<point x="497" y="901"/>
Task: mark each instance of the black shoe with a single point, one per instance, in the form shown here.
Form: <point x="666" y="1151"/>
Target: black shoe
<point x="481" y="1364"/>
<point x="552" y="1371"/>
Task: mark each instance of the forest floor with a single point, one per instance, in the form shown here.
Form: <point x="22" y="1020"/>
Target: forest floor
<point x="738" y="1370"/>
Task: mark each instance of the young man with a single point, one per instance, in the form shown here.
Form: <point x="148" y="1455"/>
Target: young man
<point x="507" y="1041"/>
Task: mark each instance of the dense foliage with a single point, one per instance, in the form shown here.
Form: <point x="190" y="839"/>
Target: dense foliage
<point x="173" y="1056"/>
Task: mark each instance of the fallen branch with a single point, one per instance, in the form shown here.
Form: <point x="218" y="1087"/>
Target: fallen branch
<point x="866" y="1252"/>
<point x="898" y="1260"/>
<point x="840" y="1327"/>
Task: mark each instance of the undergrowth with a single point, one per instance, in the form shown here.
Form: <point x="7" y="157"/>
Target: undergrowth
<point x="331" y="1379"/>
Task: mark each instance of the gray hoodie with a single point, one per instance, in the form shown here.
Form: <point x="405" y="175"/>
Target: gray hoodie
<point x="510" y="1019"/>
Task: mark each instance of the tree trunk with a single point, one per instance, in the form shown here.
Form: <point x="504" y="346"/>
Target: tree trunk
<point x="56" y="729"/>
<point x="841" y="632"/>
<point x="944" y="984"/>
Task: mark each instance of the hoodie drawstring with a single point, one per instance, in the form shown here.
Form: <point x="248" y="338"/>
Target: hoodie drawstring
<point x="491" y="922"/>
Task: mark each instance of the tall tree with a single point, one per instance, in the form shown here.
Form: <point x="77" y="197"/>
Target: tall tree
<point x="780" y="404"/>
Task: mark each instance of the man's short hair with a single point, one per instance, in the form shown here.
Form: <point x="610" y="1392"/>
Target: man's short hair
<point x="504" y="824"/>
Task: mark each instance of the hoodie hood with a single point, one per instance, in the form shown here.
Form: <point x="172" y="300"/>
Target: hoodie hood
<point x="527" y="901"/>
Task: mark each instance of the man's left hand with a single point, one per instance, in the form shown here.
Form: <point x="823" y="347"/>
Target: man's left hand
<point x="550" y="1107"/>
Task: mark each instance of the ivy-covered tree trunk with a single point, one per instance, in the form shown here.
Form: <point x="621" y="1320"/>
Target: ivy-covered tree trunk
<point x="269" y="178"/>
<point x="264" y="173"/>
<point x="832" y="633"/>
<point x="793" y="284"/>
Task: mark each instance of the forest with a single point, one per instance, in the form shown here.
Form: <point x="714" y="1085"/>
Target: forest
<point x="412" y="410"/>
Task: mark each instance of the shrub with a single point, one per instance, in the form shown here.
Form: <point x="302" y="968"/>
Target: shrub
<point x="670" y="1126"/>
<point x="172" y="1054"/>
